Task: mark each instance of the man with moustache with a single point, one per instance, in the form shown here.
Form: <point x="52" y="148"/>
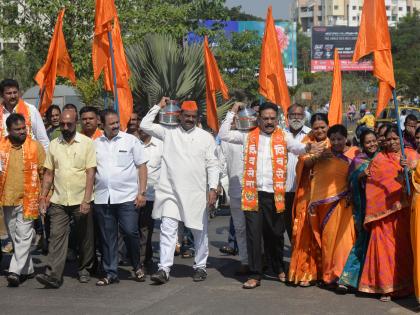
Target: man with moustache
<point x="89" y="122"/>
<point x="21" y="165"/>
<point x="13" y="103"/>
<point x="70" y="167"/>
<point x="264" y="186"/>
<point x="133" y="126"/>
<point x="188" y="181"/>
<point x="120" y="190"/>
<point x="298" y="131"/>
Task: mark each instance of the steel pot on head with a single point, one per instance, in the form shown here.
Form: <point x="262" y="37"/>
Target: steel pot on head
<point x="247" y="119"/>
<point x="169" y="115"/>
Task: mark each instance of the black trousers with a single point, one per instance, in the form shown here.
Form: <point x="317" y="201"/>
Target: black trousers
<point x="289" y="198"/>
<point x="265" y="223"/>
<point x="146" y="225"/>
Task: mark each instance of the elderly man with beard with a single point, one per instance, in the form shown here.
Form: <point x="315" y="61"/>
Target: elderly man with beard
<point x="21" y="165"/>
<point x="298" y="131"/>
<point x="188" y="181"/>
<point x="70" y="167"/>
<point x="264" y="186"/>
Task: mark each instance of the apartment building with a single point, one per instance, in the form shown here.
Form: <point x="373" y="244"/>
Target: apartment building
<point x="346" y="12"/>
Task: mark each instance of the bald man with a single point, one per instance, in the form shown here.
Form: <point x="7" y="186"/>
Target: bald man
<point x="69" y="167"/>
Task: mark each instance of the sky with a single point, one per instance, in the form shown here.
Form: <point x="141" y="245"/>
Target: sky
<point x="281" y="8"/>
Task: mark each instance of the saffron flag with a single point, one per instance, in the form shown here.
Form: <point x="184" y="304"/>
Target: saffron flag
<point x="58" y="63"/>
<point x="214" y="82"/>
<point x="272" y="80"/>
<point x="335" y="113"/>
<point x="374" y="38"/>
<point x="106" y="21"/>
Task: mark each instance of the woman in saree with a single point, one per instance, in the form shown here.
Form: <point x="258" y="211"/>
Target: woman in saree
<point x="305" y="262"/>
<point x="331" y="214"/>
<point x="359" y="171"/>
<point x="388" y="265"/>
<point x="415" y="220"/>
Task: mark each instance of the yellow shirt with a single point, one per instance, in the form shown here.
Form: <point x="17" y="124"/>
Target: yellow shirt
<point x="368" y="120"/>
<point x="14" y="182"/>
<point x="69" y="161"/>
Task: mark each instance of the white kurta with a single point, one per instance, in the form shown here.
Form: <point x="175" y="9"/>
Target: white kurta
<point x="189" y="168"/>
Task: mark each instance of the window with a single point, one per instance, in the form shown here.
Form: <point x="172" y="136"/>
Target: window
<point x="400" y="8"/>
<point x="388" y="8"/>
<point x="394" y="17"/>
<point x="320" y="8"/>
<point x="388" y="18"/>
<point x="354" y="7"/>
<point x="336" y="7"/>
<point x="320" y="18"/>
<point x="360" y="8"/>
<point x="354" y="18"/>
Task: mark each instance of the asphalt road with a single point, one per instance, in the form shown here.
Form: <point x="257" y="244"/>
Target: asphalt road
<point x="221" y="293"/>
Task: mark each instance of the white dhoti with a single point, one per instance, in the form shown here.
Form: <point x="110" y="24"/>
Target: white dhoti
<point x="169" y="237"/>
<point x="21" y="233"/>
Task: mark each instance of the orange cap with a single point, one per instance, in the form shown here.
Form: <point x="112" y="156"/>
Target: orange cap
<point x="189" y="105"/>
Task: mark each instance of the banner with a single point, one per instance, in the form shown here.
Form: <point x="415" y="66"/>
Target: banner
<point x="326" y="39"/>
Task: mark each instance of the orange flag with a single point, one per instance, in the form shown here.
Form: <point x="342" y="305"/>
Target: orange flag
<point x="273" y="85"/>
<point x="374" y="38"/>
<point x="58" y="63"/>
<point x="335" y="113"/>
<point x="106" y="19"/>
<point x="214" y="82"/>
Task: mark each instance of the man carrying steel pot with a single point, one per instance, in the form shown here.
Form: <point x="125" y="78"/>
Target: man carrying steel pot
<point x="188" y="182"/>
<point x="264" y="186"/>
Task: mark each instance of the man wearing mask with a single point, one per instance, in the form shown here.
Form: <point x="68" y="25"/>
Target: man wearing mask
<point x="21" y="163"/>
<point x="263" y="193"/>
<point x="298" y="131"/>
<point x="188" y="181"/>
<point x="70" y="167"/>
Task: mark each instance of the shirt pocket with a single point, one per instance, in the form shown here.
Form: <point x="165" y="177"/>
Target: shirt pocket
<point x="79" y="161"/>
<point x="123" y="159"/>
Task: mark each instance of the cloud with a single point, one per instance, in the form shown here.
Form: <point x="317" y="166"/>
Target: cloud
<point x="281" y="8"/>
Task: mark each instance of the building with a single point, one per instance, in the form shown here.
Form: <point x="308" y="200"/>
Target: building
<point x="346" y="12"/>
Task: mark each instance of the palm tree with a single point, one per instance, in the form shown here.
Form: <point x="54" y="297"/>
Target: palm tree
<point x="160" y="66"/>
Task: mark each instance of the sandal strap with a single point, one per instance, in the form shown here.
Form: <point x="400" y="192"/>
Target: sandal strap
<point x="103" y="282"/>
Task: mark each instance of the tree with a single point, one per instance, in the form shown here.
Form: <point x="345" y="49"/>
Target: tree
<point x="405" y="51"/>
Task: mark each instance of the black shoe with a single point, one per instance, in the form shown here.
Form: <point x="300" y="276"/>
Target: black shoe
<point x="23" y="278"/>
<point x="13" y="280"/>
<point x="200" y="274"/>
<point x="228" y="250"/>
<point x="48" y="281"/>
<point x="160" y="277"/>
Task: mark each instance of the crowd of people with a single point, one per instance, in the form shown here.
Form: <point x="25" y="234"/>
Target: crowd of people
<point x="346" y="208"/>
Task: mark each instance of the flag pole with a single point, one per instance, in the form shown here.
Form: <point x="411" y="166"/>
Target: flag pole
<point x="114" y="75"/>
<point x="40" y="97"/>
<point x="407" y="180"/>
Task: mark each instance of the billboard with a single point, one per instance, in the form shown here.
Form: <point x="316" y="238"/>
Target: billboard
<point x="286" y="32"/>
<point x="326" y="39"/>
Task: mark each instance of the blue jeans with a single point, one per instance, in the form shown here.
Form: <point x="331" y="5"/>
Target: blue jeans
<point x="109" y="218"/>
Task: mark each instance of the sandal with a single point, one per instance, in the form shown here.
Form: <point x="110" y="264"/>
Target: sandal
<point x="282" y="277"/>
<point x="385" y="298"/>
<point x="304" y="284"/>
<point x="188" y="253"/>
<point x="139" y="275"/>
<point x="251" y="284"/>
<point x="106" y="281"/>
<point x="341" y="289"/>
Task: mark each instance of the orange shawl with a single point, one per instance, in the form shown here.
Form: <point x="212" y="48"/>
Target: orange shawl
<point x="384" y="186"/>
<point x="21" y="108"/>
<point x="279" y="164"/>
<point x="98" y="133"/>
<point x="30" y="173"/>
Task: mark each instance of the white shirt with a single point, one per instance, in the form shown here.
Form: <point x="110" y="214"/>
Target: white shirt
<point x="154" y="151"/>
<point x="37" y="125"/>
<point x="264" y="163"/>
<point x="189" y="168"/>
<point x="117" y="160"/>
<point x="292" y="160"/>
<point x="233" y="156"/>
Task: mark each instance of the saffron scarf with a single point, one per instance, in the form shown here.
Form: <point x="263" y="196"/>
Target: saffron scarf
<point x="30" y="174"/>
<point x="98" y="133"/>
<point x="21" y="108"/>
<point x="279" y="163"/>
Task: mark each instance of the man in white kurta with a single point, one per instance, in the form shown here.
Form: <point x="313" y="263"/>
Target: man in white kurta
<point x="189" y="170"/>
